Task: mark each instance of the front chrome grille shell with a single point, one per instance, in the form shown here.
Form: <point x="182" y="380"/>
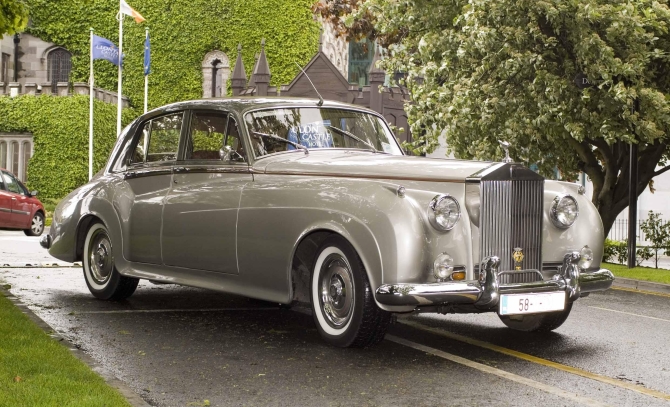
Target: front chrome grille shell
<point x="510" y="215"/>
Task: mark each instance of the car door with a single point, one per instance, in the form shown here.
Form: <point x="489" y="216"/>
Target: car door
<point x="20" y="203"/>
<point x="5" y="203"/>
<point x="200" y="214"/>
<point x="148" y="177"/>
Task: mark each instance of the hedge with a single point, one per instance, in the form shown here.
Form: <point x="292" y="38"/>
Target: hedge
<point x="60" y="134"/>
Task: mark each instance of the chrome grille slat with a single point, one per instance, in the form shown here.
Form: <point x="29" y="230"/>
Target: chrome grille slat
<point x="511" y="216"/>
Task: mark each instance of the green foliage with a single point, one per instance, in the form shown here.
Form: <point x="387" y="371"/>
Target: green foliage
<point x="182" y="33"/>
<point x="13" y="16"/>
<point x="505" y="70"/>
<point x="36" y="370"/>
<point x="618" y="250"/>
<point x="615" y="250"/>
<point x="657" y="232"/>
<point x="640" y="273"/>
<point x="60" y="133"/>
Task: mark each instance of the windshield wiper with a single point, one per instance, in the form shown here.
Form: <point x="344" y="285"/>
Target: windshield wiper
<point x="348" y="134"/>
<point x="274" y="137"/>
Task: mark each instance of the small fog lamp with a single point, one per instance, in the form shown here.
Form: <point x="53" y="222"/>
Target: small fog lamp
<point x="443" y="266"/>
<point x="458" y="275"/>
<point x="585" y="257"/>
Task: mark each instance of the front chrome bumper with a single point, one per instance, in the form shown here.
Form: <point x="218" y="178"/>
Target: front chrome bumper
<point x="485" y="292"/>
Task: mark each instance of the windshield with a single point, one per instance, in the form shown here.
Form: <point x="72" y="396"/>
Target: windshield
<point x="277" y="130"/>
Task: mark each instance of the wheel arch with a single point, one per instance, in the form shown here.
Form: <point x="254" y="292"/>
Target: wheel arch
<point x="305" y="249"/>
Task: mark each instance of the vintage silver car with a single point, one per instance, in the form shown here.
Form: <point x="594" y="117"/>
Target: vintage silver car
<point x="297" y="200"/>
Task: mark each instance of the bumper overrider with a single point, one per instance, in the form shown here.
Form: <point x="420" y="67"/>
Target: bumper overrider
<point x="485" y="292"/>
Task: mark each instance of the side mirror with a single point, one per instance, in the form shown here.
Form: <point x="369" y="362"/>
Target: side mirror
<point x="33" y="193"/>
<point x="226" y="153"/>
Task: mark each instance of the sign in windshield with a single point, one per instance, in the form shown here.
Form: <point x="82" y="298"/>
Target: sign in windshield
<point x="316" y="128"/>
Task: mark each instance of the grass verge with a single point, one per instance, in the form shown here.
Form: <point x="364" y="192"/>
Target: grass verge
<point x="640" y="273"/>
<point x="35" y="370"/>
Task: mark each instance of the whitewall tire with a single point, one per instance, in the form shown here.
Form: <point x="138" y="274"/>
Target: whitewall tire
<point x="102" y="278"/>
<point x="343" y="305"/>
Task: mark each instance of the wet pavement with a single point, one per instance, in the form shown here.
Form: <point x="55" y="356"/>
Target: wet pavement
<point x="179" y="346"/>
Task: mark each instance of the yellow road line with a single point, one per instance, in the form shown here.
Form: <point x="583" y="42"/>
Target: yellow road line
<point x="629" y="313"/>
<point x="540" y="361"/>
<point x="634" y="290"/>
<point x="582" y="400"/>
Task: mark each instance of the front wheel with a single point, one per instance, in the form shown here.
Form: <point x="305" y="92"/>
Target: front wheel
<point x="537" y="322"/>
<point x="36" y="225"/>
<point x="343" y="304"/>
<point x="102" y="278"/>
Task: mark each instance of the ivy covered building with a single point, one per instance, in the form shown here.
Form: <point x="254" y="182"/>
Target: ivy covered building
<point x="194" y="46"/>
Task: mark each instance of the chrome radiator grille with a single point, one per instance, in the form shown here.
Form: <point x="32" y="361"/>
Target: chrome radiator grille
<point x="515" y="277"/>
<point x="511" y="217"/>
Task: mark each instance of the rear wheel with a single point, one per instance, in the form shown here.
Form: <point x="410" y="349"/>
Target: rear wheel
<point x="343" y="304"/>
<point x="36" y="225"/>
<point x="537" y="322"/>
<point x="102" y="278"/>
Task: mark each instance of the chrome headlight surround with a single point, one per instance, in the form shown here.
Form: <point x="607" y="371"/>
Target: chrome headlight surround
<point x="560" y="214"/>
<point x="444" y="212"/>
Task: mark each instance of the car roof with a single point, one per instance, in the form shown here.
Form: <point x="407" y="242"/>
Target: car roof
<point x="244" y="104"/>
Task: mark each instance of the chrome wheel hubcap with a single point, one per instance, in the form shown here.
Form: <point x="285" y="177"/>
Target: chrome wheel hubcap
<point x="337" y="290"/>
<point x="37" y="225"/>
<point x="100" y="257"/>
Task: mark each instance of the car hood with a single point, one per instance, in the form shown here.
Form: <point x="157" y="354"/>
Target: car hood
<point x="363" y="164"/>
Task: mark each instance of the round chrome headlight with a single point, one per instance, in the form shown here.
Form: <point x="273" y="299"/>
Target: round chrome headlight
<point x="443" y="212"/>
<point x="564" y="211"/>
<point x="585" y="257"/>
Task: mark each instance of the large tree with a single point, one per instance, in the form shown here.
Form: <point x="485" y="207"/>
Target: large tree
<point x="13" y="16"/>
<point x="506" y="69"/>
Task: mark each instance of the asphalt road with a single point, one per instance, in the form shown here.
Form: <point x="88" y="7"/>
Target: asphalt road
<point x="179" y="346"/>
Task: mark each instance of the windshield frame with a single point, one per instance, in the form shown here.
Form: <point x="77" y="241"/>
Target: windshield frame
<point x="248" y="131"/>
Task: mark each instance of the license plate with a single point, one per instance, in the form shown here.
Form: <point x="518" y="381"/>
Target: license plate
<point x="512" y="304"/>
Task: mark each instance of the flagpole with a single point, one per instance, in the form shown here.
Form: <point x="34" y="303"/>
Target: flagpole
<point x="146" y="76"/>
<point x="119" y="94"/>
<point x="90" y="114"/>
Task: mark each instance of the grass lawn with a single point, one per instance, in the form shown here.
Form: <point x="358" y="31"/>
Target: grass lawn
<point x="640" y="273"/>
<point x="35" y="370"/>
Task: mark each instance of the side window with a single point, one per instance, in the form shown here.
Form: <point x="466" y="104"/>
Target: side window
<point x="159" y="140"/>
<point x="11" y="184"/>
<point x="206" y="136"/>
<point x="233" y="140"/>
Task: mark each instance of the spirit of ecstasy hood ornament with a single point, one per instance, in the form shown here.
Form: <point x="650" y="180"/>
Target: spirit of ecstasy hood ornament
<point x="505" y="146"/>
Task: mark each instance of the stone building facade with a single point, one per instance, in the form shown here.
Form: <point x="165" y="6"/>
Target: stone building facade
<point x="31" y="66"/>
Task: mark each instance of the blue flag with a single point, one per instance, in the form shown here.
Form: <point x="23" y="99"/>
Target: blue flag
<point x="105" y="49"/>
<point x="147" y="56"/>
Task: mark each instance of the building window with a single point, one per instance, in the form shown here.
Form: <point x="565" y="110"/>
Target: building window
<point x="15" y="158"/>
<point x="26" y="157"/>
<point x="216" y="79"/>
<point x="59" y="64"/>
<point x="3" y="154"/>
<point x="215" y="74"/>
<point x="360" y="59"/>
<point x="4" y="68"/>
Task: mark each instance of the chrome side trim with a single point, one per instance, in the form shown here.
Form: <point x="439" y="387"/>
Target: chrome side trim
<point x="5" y="210"/>
<point x="20" y="212"/>
<point x="242" y="169"/>
<point x="148" y="172"/>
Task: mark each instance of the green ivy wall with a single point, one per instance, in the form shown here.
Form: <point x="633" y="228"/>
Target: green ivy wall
<point x="60" y="134"/>
<point x="182" y="32"/>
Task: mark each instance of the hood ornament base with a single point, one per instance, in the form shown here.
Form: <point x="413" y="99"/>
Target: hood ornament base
<point x="505" y="146"/>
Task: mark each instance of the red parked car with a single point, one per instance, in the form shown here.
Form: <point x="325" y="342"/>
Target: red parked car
<point x="19" y="209"/>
